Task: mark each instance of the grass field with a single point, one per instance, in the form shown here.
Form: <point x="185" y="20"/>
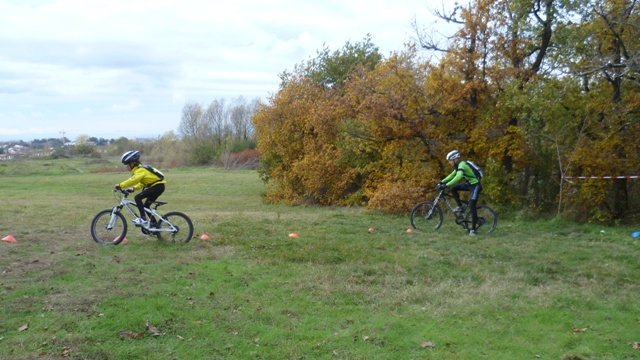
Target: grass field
<point x="532" y="290"/>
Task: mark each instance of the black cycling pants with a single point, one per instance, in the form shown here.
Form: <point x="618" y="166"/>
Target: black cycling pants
<point x="475" y="191"/>
<point x="150" y="195"/>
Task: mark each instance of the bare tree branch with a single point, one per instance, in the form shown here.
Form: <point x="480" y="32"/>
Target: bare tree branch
<point x="428" y="41"/>
<point x="546" y="32"/>
<point x="452" y="15"/>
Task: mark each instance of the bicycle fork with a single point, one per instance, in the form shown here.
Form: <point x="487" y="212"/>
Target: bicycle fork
<point x="114" y="218"/>
<point x="433" y="208"/>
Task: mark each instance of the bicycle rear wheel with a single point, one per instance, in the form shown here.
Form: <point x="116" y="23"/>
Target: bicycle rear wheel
<point x="176" y="227"/>
<point x="426" y="216"/>
<point x="108" y="228"/>
<point x="487" y="220"/>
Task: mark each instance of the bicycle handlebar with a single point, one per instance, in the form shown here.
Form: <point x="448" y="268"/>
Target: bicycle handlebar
<point x="438" y="191"/>
<point x="124" y="192"/>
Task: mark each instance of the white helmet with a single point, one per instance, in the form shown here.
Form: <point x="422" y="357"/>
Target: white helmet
<point x="130" y="156"/>
<point x="453" y="155"/>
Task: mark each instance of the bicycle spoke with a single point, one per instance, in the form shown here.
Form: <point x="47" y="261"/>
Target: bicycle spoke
<point x="487" y="220"/>
<point x="108" y="228"/>
<point x="176" y="226"/>
<point x="425" y="216"/>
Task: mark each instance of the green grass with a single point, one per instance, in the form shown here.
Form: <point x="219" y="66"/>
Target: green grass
<point x="532" y="290"/>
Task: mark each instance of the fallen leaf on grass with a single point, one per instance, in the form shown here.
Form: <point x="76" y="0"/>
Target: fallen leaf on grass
<point x="66" y="352"/>
<point x="428" y="345"/>
<point x="294" y="235"/>
<point x="578" y="330"/>
<point x="372" y="340"/>
<point x="130" y="335"/>
<point x="371" y="230"/>
<point x="23" y="327"/>
<point x="153" y="330"/>
<point x="636" y="345"/>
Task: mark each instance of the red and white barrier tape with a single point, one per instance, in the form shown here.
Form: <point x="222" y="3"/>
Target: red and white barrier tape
<point x="602" y="177"/>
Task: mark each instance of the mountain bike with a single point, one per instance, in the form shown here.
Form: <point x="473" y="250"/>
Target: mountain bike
<point x="109" y="226"/>
<point x="429" y="214"/>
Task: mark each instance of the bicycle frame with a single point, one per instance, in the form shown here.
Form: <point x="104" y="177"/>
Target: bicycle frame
<point x="443" y="196"/>
<point x="130" y="206"/>
<point x="431" y="212"/>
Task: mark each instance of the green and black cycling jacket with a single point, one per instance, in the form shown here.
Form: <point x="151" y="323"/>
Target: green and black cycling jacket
<point x="462" y="170"/>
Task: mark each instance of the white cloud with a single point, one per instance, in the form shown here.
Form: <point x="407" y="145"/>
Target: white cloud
<point x="96" y="65"/>
<point x="128" y="106"/>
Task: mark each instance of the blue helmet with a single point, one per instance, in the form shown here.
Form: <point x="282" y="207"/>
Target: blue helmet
<point x="130" y="156"/>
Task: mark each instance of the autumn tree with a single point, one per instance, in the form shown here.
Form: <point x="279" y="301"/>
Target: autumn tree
<point x="542" y="70"/>
<point x="502" y="51"/>
<point x="332" y="69"/>
<point x="610" y="78"/>
<point x="515" y="88"/>
<point x="394" y="139"/>
<point x="298" y="131"/>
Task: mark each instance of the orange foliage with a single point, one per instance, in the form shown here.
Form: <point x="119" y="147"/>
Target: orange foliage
<point x="381" y="135"/>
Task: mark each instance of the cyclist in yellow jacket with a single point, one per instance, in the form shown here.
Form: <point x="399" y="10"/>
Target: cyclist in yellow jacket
<point x="462" y="170"/>
<point x="143" y="177"/>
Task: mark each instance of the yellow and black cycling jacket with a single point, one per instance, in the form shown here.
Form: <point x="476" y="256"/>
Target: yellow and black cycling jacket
<point x="462" y="170"/>
<point x="141" y="178"/>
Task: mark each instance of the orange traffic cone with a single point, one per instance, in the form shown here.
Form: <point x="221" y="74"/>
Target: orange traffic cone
<point x="9" y="239"/>
<point x="123" y="242"/>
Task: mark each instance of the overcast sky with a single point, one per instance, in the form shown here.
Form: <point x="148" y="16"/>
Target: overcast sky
<point x="111" y="68"/>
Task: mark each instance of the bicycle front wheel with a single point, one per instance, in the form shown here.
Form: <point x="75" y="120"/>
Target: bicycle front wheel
<point x="176" y="227"/>
<point x="108" y="228"/>
<point x="426" y="216"/>
<point x="487" y="220"/>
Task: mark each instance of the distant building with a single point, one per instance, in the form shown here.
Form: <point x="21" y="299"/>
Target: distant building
<point x="17" y="150"/>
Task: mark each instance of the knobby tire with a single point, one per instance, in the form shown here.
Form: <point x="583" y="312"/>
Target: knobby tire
<point x="487" y="220"/>
<point x="424" y="216"/>
<point x="102" y="235"/>
<point x="180" y="221"/>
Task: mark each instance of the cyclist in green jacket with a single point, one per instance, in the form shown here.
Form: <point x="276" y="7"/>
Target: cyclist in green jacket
<point x="152" y="184"/>
<point x="462" y="170"/>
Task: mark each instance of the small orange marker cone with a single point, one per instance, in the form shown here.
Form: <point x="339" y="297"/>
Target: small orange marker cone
<point x="9" y="239"/>
<point x="204" y="237"/>
<point x="124" y="241"/>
